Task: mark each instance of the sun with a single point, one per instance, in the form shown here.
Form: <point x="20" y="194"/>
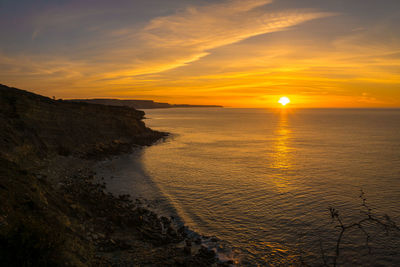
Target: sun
<point x="284" y="101"/>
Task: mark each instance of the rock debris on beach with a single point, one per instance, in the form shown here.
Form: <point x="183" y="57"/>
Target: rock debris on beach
<point x="53" y="213"/>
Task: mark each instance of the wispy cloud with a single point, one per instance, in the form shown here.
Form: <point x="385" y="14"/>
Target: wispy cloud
<point x="175" y="40"/>
<point x="206" y="50"/>
<point x="162" y="44"/>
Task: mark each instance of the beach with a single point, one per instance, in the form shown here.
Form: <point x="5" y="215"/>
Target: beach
<point x="86" y="184"/>
<point x="55" y="211"/>
<point x="126" y="175"/>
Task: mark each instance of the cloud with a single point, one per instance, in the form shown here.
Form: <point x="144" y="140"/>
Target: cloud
<point x="119" y="56"/>
<point x="184" y="37"/>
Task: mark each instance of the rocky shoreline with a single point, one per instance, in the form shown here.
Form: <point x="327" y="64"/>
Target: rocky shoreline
<point x="54" y="212"/>
<point x="125" y="233"/>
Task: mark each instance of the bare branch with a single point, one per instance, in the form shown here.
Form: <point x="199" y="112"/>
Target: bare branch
<point x="386" y="223"/>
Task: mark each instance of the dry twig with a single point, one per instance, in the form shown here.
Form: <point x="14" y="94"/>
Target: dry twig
<point x="386" y="223"/>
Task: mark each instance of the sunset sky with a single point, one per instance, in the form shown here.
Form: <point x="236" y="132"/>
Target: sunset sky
<point x="238" y="53"/>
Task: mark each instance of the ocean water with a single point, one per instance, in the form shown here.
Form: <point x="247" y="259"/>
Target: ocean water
<point x="263" y="180"/>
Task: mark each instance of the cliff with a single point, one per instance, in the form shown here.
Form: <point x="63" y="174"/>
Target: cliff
<point x="139" y="104"/>
<point x="70" y="220"/>
<point x="34" y="126"/>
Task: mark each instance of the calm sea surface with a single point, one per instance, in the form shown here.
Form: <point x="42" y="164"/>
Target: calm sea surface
<point x="263" y="180"/>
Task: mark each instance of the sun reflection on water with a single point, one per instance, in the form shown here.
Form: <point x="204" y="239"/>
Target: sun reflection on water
<point x="282" y="158"/>
<point x="282" y="154"/>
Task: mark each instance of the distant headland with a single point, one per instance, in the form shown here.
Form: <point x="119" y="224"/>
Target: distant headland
<point x="139" y="104"/>
<point x="55" y="211"/>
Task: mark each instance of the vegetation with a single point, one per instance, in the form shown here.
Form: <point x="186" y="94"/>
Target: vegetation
<point x="384" y="223"/>
<point x="68" y="219"/>
<point x="29" y="241"/>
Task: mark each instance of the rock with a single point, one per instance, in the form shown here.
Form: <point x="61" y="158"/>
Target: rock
<point x="187" y="250"/>
<point x="214" y="239"/>
<point x="207" y="253"/>
<point x="197" y="241"/>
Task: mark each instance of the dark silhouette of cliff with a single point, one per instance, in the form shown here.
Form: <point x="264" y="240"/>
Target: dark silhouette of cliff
<point x="53" y="211"/>
<point x="34" y="126"/>
<point x="139" y="104"/>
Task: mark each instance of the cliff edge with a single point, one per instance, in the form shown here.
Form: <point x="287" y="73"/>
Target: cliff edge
<point x="72" y="220"/>
<point x="34" y="126"/>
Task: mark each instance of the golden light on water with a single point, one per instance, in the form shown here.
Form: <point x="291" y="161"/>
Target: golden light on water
<point x="284" y="101"/>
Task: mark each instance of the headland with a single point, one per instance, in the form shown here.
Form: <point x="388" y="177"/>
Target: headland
<point x="54" y="212"/>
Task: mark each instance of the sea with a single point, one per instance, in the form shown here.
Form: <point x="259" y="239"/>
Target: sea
<point x="266" y="182"/>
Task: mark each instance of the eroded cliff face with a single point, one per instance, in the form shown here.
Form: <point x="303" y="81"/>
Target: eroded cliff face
<point x="53" y="212"/>
<point x="34" y="127"/>
<point x="72" y="220"/>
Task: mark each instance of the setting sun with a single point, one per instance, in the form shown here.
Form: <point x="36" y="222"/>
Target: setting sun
<point x="224" y="132"/>
<point x="284" y="101"/>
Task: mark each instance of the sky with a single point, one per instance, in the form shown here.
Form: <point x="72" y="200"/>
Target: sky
<point x="236" y="53"/>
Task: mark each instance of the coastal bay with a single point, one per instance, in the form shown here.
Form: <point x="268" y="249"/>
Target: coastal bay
<point x="214" y="133"/>
<point x="53" y="210"/>
<point x="91" y="185"/>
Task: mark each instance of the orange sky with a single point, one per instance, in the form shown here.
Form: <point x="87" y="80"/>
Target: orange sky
<point x="234" y="53"/>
